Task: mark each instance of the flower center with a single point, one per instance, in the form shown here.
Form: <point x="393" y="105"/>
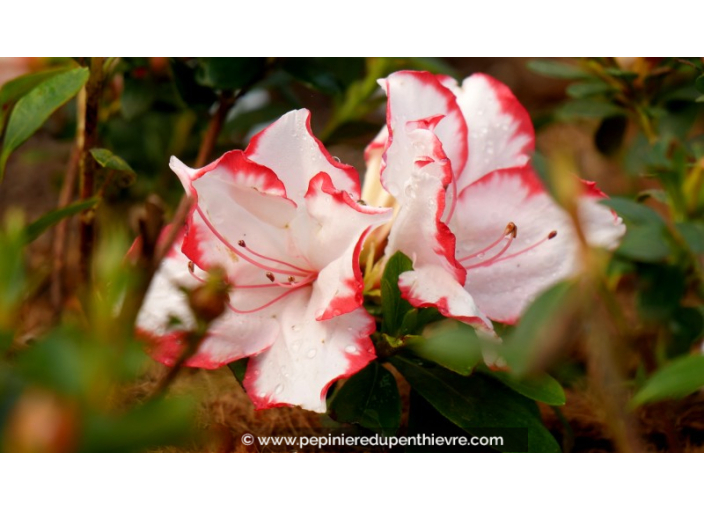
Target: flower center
<point x="295" y="277"/>
<point x="509" y="234"/>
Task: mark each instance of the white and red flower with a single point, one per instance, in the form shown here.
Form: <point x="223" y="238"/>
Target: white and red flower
<point x="484" y="235"/>
<point x="282" y="218"/>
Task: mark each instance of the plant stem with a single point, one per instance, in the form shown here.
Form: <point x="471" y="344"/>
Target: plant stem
<point x="87" y="165"/>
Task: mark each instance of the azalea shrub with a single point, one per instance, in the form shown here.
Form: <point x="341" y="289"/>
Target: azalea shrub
<point x="462" y="280"/>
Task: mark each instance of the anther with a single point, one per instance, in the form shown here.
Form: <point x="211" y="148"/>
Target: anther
<point x="242" y="243"/>
<point x="191" y="266"/>
<point x="511" y="229"/>
<point x="291" y="279"/>
<point x="552" y="234"/>
<point x="270" y="276"/>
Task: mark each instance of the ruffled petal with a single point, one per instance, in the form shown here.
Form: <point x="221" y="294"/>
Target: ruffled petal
<point x="544" y="251"/>
<point x="500" y="130"/>
<point x="417" y="99"/>
<point x="308" y="356"/>
<point x="433" y="286"/>
<point x="290" y="149"/>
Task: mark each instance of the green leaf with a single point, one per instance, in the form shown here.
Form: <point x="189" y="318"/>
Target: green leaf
<point x="238" y="369"/>
<point x="477" y="403"/>
<point x="35" y="107"/>
<point x="693" y="234"/>
<point x="137" y="97"/>
<point x="542" y="328"/>
<point x="36" y="228"/>
<point x="539" y="387"/>
<point x="394" y="307"/>
<point x="328" y="75"/>
<point x="587" y="88"/>
<point x="699" y="84"/>
<point x="588" y="108"/>
<point x="229" y="73"/>
<point x="370" y="398"/>
<point x="645" y="243"/>
<point x="450" y="344"/>
<point x="633" y="212"/>
<point x="13" y="90"/>
<point x="190" y="91"/>
<point x="110" y="161"/>
<point x="659" y="291"/>
<point x="678" y="379"/>
<point x="557" y="69"/>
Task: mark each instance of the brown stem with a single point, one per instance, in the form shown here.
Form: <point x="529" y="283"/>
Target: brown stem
<point x="58" y="248"/>
<point x="87" y="164"/>
<point x="214" y="127"/>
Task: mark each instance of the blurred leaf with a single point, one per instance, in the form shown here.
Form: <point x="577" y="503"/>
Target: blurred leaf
<point x="686" y="327"/>
<point x="621" y="73"/>
<point x="588" y="108"/>
<point x="370" y="398"/>
<point x="699" y="84"/>
<point x="677" y="379"/>
<point x="229" y="73"/>
<point x="394" y="307"/>
<point x="539" y="387"/>
<point x="451" y="344"/>
<point x="557" y="69"/>
<point x="36" y="106"/>
<point x="153" y="424"/>
<point x="541" y="328"/>
<point x="416" y="319"/>
<point x="693" y="234"/>
<point x="13" y="90"/>
<point x="476" y="403"/>
<point x="609" y="137"/>
<point x="660" y="289"/>
<point x="434" y="65"/>
<point x="137" y="97"/>
<point x="190" y="91"/>
<point x="645" y="243"/>
<point x="328" y="75"/>
<point x="587" y="88"/>
<point x="110" y="161"/>
<point x="633" y="212"/>
<point x="12" y="268"/>
<point x="38" y="227"/>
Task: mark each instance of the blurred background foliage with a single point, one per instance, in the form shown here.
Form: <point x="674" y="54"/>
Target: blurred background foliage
<point x="609" y="361"/>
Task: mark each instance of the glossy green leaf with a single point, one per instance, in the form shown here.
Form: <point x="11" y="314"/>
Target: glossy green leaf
<point x="328" y="75"/>
<point x="13" y="90"/>
<point x="394" y="307"/>
<point x="36" y="228"/>
<point x="678" y="379"/>
<point x="557" y="69"/>
<point x="451" y="344"/>
<point x="190" y="91"/>
<point x="699" y="84"/>
<point x="370" y="398"/>
<point x="110" y="161"/>
<point x="588" y="108"/>
<point x="239" y="369"/>
<point x="539" y="387"/>
<point x="35" y="107"/>
<point x="476" y="403"/>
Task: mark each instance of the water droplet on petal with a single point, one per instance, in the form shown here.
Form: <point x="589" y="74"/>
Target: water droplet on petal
<point x="311" y="353"/>
<point x="336" y="159"/>
<point x="481" y="255"/>
<point x="410" y="192"/>
<point x="262" y="394"/>
<point x="296" y="327"/>
<point x="279" y="388"/>
<point x="351" y="349"/>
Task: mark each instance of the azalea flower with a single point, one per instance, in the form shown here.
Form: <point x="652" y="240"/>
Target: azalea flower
<point x="484" y="235"/>
<point x="282" y="219"/>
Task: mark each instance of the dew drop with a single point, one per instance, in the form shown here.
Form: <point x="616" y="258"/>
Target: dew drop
<point x="279" y="388"/>
<point x="337" y="159"/>
<point x="311" y="353"/>
<point x="296" y="327"/>
<point x="262" y="394"/>
<point x="481" y="255"/>
<point x="410" y="192"/>
<point x="351" y="349"/>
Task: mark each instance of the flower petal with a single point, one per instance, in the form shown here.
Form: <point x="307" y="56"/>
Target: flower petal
<point x="308" y="356"/>
<point x="503" y="286"/>
<point x="289" y="147"/>
<point x="500" y="130"/>
<point x="433" y="286"/>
